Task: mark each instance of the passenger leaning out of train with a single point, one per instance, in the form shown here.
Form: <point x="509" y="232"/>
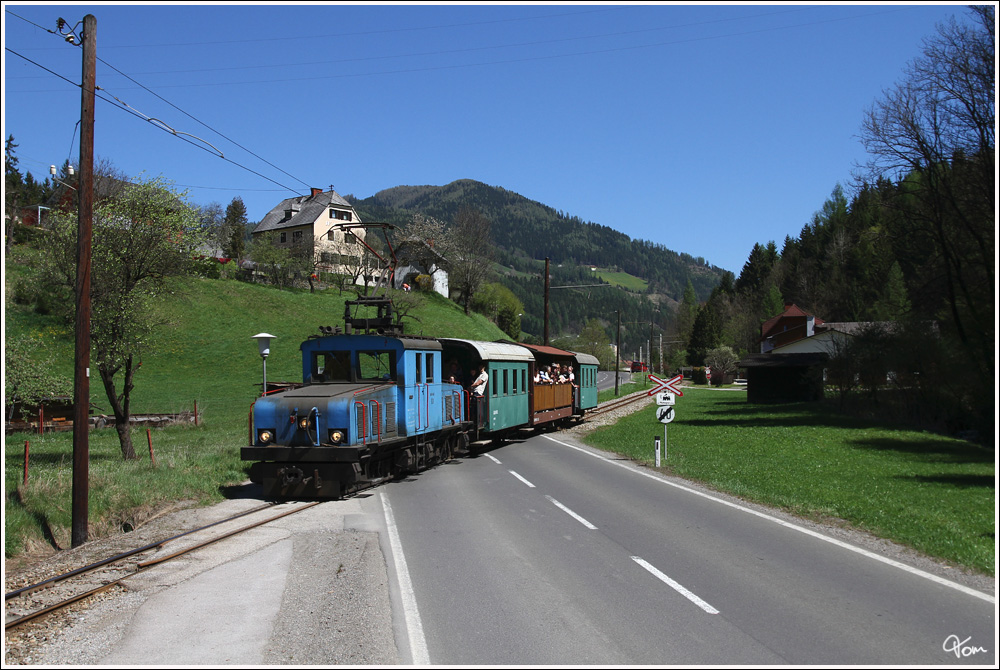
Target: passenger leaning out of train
<point x="478" y="387"/>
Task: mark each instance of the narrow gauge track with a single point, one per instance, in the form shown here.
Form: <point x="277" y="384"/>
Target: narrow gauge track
<point x="137" y="566"/>
<point x="618" y="403"/>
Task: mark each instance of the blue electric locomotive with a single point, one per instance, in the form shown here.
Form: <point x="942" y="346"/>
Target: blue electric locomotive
<point x="375" y="406"/>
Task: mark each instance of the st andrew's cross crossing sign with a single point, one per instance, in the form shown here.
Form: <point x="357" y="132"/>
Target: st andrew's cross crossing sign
<point x="672" y="385"/>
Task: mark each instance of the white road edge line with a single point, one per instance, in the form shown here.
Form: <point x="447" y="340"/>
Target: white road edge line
<point x="571" y="513"/>
<point x="521" y="478"/>
<point x="675" y="586"/>
<point x="864" y="552"/>
<point x="414" y="627"/>
<point x="492" y="458"/>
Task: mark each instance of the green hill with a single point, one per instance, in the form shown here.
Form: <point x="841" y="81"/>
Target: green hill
<point x="528" y="229"/>
<point x="201" y="354"/>
<point x="526" y="232"/>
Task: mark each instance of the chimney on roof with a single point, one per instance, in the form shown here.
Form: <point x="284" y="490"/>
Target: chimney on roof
<point x="315" y="192"/>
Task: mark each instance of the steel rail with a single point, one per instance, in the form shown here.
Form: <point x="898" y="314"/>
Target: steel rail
<point x="161" y="559"/>
<point x="144" y="565"/>
<point x="114" y="559"/>
<point x="616" y="404"/>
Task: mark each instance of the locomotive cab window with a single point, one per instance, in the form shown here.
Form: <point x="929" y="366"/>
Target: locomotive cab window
<point x="376" y="366"/>
<point x="331" y="366"/>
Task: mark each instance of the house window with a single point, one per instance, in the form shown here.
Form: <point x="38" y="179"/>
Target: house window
<point x="297" y="236"/>
<point x="283" y="237"/>
<point x="340" y="215"/>
<point x="349" y="238"/>
<point x="326" y="257"/>
<point x="332" y="235"/>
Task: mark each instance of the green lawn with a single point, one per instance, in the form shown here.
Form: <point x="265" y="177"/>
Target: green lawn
<point x="203" y="354"/>
<point x="932" y="493"/>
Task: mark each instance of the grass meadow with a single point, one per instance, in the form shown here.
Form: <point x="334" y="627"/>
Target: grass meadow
<point x="203" y="354"/>
<point x="932" y="493"/>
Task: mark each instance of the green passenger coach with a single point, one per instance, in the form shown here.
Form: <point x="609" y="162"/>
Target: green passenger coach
<point x="505" y="404"/>
<point x="586" y="379"/>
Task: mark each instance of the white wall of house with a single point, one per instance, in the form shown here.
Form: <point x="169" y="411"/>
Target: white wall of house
<point x="440" y="277"/>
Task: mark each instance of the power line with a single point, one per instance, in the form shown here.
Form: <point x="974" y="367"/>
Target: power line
<point x="466" y="50"/>
<point x="168" y="128"/>
<point x="517" y="60"/>
<point x="124" y="107"/>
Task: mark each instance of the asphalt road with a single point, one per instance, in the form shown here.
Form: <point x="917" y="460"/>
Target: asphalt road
<point x="606" y="380"/>
<point x="543" y="552"/>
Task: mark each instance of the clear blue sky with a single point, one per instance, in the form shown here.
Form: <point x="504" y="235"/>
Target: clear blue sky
<point x="704" y="128"/>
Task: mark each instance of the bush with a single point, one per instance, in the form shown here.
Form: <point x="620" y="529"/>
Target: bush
<point x="206" y="267"/>
<point x="424" y="283"/>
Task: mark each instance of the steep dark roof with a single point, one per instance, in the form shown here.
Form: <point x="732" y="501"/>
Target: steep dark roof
<point x="418" y="251"/>
<point x="310" y="208"/>
<point x="791" y="311"/>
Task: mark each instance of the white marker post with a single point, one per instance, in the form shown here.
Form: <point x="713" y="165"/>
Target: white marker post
<point x="664" y="414"/>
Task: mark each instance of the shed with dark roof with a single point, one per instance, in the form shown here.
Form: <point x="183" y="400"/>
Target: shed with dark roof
<point x="782" y="378"/>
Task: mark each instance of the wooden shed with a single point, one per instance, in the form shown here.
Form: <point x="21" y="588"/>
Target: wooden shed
<point x="783" y="378"/>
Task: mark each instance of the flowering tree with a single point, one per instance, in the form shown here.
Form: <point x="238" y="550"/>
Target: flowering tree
<point x="143" y="233"/>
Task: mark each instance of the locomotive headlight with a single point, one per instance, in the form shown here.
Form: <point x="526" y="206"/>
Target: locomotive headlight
<point x="304" y="422"/>
<point x="265" y="436"/>
<point x="337" y="436"/>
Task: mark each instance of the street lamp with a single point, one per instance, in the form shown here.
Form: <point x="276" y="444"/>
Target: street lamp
<point x="264" y="345"/>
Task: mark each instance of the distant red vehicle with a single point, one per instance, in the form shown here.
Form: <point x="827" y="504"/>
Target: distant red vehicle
<point x="638" y="366"/>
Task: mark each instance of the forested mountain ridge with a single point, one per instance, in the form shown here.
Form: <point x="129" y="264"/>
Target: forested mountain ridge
<point x="525" y="229"/>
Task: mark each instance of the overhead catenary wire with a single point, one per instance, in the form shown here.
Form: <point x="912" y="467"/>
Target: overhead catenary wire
<point x="633" y="47"/>
<point x="126" y="108"/>
<point x="165" y="126"/>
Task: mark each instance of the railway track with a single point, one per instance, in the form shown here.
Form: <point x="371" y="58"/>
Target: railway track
<point x="76" y="585"/>
<point x="617" y="404"/>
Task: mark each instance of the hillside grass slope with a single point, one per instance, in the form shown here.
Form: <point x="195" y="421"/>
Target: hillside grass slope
<point x="203" y="354"/>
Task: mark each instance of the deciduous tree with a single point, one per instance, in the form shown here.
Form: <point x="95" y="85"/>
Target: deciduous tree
<point x="143" y="233"/>
<point x="473" y="255"/>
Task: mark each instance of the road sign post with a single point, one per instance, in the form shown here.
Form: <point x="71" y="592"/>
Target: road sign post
<point x="666" y="392"/>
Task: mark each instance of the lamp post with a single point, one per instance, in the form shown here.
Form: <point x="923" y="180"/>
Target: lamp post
<point x="264" y="345"/>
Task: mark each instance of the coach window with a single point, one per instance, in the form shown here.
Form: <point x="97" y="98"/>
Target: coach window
<point x="418" y="370"/>
<point x="494" y="376"/>
<point x="430" y="368"/>
<point x="506" y="386"/>
<point x="515" y="382"/>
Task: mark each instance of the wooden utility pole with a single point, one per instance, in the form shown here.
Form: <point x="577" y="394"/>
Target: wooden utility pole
<point x="85" y="217"/>
<point x="618" y="349"/>
<point x="545" y="335"/>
